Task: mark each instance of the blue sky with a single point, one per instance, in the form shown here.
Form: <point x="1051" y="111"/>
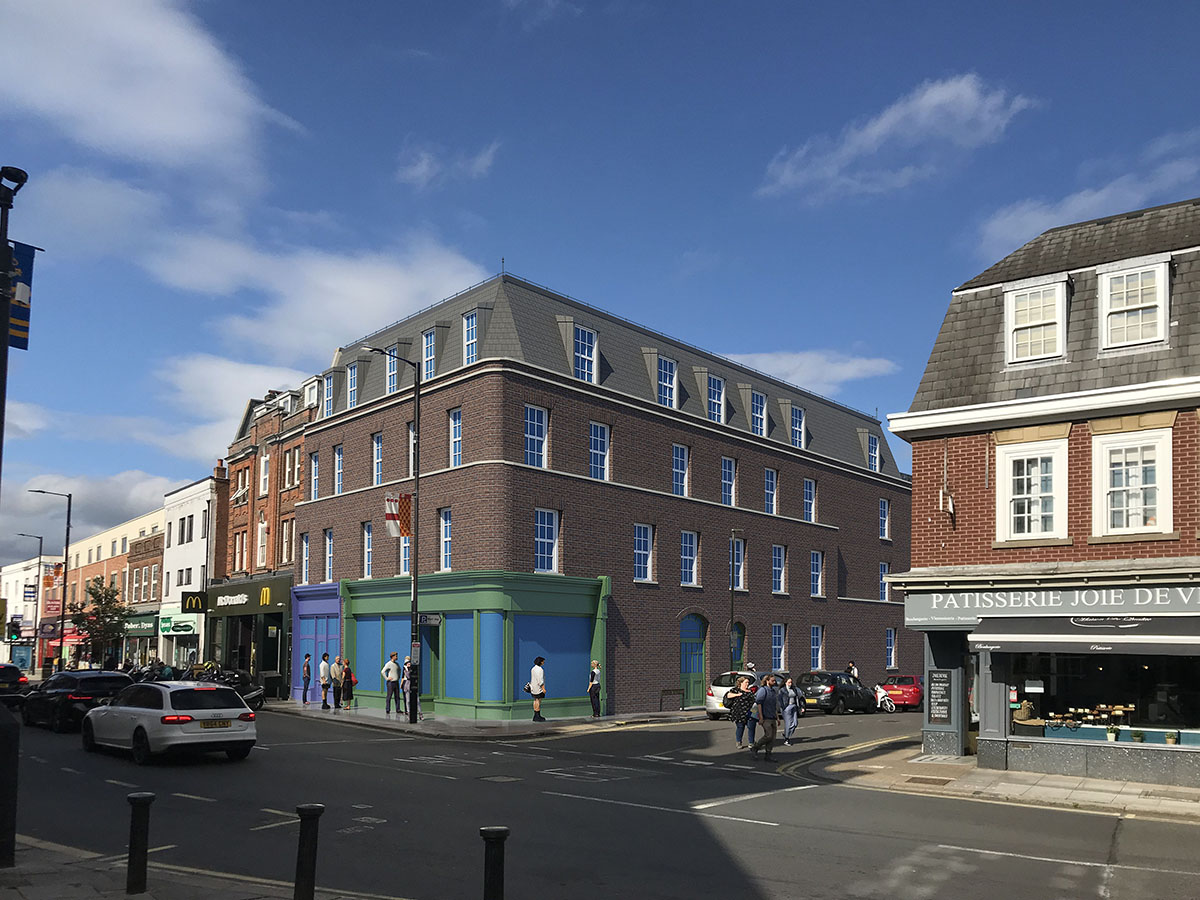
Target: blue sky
<point x="226" y="191"/>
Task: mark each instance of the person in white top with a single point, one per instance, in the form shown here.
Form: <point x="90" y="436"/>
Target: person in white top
<point x="325" y="680"/>
<point x="537" y="687"/>
<point x="391" y="678"/>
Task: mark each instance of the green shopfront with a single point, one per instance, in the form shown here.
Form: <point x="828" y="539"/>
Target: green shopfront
<point x="248" y="628"/>
<point x="490" y="626"/>
<point x="141" y="639"/>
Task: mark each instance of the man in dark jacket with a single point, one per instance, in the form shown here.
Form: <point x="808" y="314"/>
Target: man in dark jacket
<point x="767" y="700"/>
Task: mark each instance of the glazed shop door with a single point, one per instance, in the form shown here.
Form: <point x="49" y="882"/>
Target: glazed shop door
<point x="692" y="633"/>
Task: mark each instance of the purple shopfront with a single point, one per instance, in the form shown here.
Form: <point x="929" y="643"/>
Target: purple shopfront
<point x="317" y="629"/>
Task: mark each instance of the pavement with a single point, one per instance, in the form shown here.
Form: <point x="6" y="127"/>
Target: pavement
<point x="444" y="727"/>
<point x="49" y="871"/>
<point x="900" y="765"/>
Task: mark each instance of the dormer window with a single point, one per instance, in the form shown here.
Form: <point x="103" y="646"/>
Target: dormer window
<point x="1036" y="321"/>
<point x="1133" y="305"/>
<point x="585" y="354"/>
<point x="352" y="385"/>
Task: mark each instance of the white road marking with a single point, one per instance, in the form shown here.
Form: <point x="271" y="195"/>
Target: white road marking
<point x="289" y="819"/>
<point x="118" y="783"/>
<point x="739" y="799"/>
<point x="1064" y="862"/>
<point x="163" y="847"/>
<point x="72" y="771"/>
<point x="339" y="741"/>
<point x="278" y="812"/>
<point x="257" y="747"/>
<point x="369" y="820"/>
<point x="736" y="766"/>
<point x="668" y="809"/>
<point x="695" y="762"/>
<point x="361" y="806"/>
<point x="516" y="755"/>
<point x="37" y="759"/>
<point x="194" y="797"/>
<point x="659" y="758"/>
<point x="354" y="762"/>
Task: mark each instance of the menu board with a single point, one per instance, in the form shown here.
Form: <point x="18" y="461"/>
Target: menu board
<point x="939" y="697"/>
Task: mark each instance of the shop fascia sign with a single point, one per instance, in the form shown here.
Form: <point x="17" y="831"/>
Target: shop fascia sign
<point x="252" y="597"/>
<point x="965" y="608"/>
<point x="177" y="624"/>
<point x="140" y="626"/>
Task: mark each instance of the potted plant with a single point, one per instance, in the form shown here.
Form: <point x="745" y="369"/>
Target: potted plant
<point x="1111" y="732"/>
<point x="1137" y="737"/>
<point x="1172" y="737"/>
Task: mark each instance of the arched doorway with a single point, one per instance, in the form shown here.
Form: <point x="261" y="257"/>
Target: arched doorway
<point x="692" y="633"/>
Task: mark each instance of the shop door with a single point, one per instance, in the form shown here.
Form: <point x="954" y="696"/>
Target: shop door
<point x="692" y="632"/>
<point x="430" y="660"/>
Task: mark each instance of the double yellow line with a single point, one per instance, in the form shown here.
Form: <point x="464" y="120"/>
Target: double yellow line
<point x="792" y="769"/>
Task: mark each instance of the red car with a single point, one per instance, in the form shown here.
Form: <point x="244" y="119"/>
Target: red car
<point x="905" y="690"/>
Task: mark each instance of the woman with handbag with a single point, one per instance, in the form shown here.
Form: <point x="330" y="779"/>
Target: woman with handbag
<point x="739" y="700"/>
<point x="349" y="680"/>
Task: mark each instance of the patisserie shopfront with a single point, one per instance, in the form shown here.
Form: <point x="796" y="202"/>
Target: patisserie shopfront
<point x="1100" y="681"/>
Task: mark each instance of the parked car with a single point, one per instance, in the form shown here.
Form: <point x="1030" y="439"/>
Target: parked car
<point x="160" y="716"/>
<point x="13" y="683"/>
<point x="719" y="688"/>
<point x="835" y="692"/>
<point x="64" y="700"/>
<point x="905" y="690"/>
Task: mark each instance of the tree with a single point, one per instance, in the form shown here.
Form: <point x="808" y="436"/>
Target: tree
<point x="101" y="618"/>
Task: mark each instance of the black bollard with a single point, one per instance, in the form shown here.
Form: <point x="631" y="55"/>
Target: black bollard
<point x="306" y="852"/>
<point x="139" y="841"/>
<point x="10" y="756"/>
<point x="493" y="861"/>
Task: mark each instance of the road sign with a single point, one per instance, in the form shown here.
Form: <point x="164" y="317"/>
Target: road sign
<point x="416" y="652"/>
<point x="429" y="618"/>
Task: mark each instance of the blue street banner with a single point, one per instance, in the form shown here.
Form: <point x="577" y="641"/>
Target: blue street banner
<point x="22" y="290"/>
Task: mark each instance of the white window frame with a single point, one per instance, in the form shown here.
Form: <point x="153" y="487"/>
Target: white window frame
<point x="771" y="491"/>
<point x="445" y="540"/>
<point x="885" y="519"/>
<point x="873" y="460"/>
<point x="1161" y="303"/>
<point x="732" y="481"/>
<point x="809" y="511"/>
<point x="428" y="355"/>
<point x="1010" y="326"/>
<point x="328" y="409"/>
<point x="393" y="369"/>
<point x="377" y="458"/>
<point x="716" y="384"/>
<point x="668" y="388"/>
<point x="542" y="439"/>
<point x="328" y="555"/>
<point x="543" y="518"/>
<point x="598" y="443"/>
<point x="1005" y="455"/>
<point x="338" y="469"/>
<point x="778" y="646"/>
<point x="470" y="337"/>
<point x="286" y="539"/>
<point x="264" y="474"/>
<point x="367" y="542"/>
<point x="889" y="648"/>
<point x="585" y="365"/>
<point x="643" y="559"/>
<point x="1160" y="439"/>
<point x="297" y="463"/>
<point x="885" y="589"/>
<point x="351" y="385"/>
<point x="314" y="468"/>
<point x="779" y="568"/>
<point x="798" y="423"/>
<point x="405" y="550"/>
<point x="455" y="418"/>
<point x="304" y="558"/>
<point x="816" y="573"/>
<point x="694" y="558"/>
<point x="758" y="414"/>
<point x="737" y="564"/>
<point x="687" y="468"/>
<point x="816" y="647"/>
<point x="261" y="552"/>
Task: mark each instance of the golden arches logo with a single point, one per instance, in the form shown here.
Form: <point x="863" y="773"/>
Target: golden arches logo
<point x="264" y="597"/>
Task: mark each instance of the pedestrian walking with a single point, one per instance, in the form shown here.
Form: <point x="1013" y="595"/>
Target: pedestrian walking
<point x="852" y="669"/>
<point x="391" y="682"/>
<point x="793" y="709"/>
<point x="766" y="700"/>
<point x="326" y="681"/>
<point x="406" y="686"/>
<point x="594" y="689"/>
<point x="306" y="675"/>
<point x="336" y="673"/>
<point x="738" y="700"/>
<point x="349" y="680"/>
<point x="537" y="688"/>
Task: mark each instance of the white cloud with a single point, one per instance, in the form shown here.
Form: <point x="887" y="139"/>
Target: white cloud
<point x="1161" y="182"/>
<point x="24" y="420"/>
<point x="819" y="371"/>
<point x="314" y="299"/>
<point x="909" y="141"/>
<point x="137" y="80"/>
<point x="96" y="504"/>
<point x="425" y="165"/>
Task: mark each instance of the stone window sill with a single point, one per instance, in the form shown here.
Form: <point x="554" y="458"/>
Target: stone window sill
<point x="1133" y="538"/>
<point x="1036" y="542"/>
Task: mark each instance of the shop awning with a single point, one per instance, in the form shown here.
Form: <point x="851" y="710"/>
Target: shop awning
<point x="1149" y="635"/>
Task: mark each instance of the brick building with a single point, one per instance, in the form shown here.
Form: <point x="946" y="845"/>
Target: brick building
<point x="255" y="493"/>
<point x="1056" y="509"/>
<point x="587" y="488"/>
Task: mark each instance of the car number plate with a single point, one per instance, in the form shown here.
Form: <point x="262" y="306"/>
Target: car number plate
<point x="810" y="701"/>
<point x="215" y="723"/>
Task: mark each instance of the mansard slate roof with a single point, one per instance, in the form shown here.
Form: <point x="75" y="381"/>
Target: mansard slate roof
<point x="968" y="365"/>
<point x="522" y="321"/>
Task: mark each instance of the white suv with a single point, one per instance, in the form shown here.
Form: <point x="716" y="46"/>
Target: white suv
<point x="156" y="716"/>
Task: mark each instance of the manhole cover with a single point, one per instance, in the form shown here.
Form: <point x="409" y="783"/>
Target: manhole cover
<point x="925" y="779"/>
<point x="499" y="778"/>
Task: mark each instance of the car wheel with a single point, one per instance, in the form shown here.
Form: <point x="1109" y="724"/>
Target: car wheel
<point x="239" y="753"/>
<point x="714" y="716"/>
<point x="141" y="747"/>
<point x="58" y="720"/>
<point x="839" y="707"/>
<point x="89" y="738"/>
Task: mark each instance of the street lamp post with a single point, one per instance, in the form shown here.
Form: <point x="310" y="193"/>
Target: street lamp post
<point x="37" y="602"/>
<point x="62" y="607"/>
<point x="414" y="676"/>
<point x="18" y="177"/>
<point x="733" y="534"/>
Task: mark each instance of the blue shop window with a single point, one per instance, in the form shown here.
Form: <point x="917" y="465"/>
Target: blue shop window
<point x="491" y="656"/>
<point x="565" y="641"/>
<point x="460" y="656"/>
<point x="397" y="638"/>
<point x="368" y="637"/>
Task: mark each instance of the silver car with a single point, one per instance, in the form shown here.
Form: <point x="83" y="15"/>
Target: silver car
<point x="719" y="688"/>
<point x="157" y="716"/>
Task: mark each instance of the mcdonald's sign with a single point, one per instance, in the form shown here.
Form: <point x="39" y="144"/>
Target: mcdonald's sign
<point x="249" y="598"/>
<point x="264" y="596"/>
<point x="193" y="602"/>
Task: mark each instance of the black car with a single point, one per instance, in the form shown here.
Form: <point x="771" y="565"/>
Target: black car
<point x="835" y="692"/>
<point x="12" y="684"/>
<point x="63" y="701"/>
